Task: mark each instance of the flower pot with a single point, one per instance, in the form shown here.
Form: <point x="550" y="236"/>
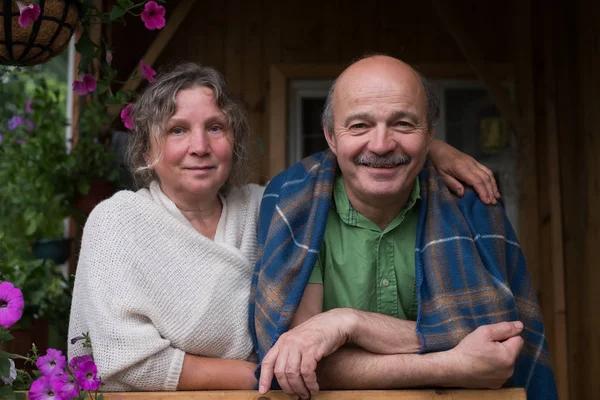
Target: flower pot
<point x="55" y="249"/>
<point x="43" y="39"/>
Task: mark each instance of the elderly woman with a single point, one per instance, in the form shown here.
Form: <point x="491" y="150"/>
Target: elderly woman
<point x="163" y="279"/>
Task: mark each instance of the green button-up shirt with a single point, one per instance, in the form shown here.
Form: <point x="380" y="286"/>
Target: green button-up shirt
<point x="362" y="267"/>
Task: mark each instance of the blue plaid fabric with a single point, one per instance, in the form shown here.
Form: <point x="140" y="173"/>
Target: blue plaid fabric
<point x="469" y="267"/>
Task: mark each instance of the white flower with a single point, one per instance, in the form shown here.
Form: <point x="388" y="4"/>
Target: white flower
<point x="12" y="375"/>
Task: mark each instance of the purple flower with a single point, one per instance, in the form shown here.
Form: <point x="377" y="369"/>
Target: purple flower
<point x="76" y="362"/>
<point x="153" y="15"/>
<point x="28" y="13"/>
<point x="70" y="388"/>
<point x="87" y="376"/>
<point x="15" y="121"/>
<point x="21" y="141"/>
<point x="47" y="388"/>
<point x="86" y="85"/>
<point x="127" y="116"/>
<point x="28" y="108"/>
<point x="147" y="72"/>
<point x="29" y="125"/>
<point x="11" y="304"/>
<point x="52" y="364"/>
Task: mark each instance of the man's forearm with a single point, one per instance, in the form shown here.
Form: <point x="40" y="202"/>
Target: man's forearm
<point x="350" y="368"/>
<point x="379" y="333"/>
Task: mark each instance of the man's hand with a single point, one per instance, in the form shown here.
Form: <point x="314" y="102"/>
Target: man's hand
<point x="293" y="359"/>
<point x="486" y="357"/>
<point x="456" y="167"/>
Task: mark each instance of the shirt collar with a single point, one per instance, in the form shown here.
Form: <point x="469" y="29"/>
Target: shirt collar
<point x="352" y="217"/>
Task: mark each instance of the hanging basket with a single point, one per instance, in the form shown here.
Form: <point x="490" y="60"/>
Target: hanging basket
<point x="43" y="39"/>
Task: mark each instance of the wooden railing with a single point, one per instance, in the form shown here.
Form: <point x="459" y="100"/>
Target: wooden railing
<point x="462" y="394"/>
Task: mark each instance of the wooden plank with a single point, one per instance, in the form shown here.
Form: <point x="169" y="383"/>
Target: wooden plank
<point x="251" y="79"/>
<point x="276" y="159"/>
<point x="556" y="213"/>
<point x="233" y="47"/>
<point x="502" y="394"/>
<point x="475" y="57"/>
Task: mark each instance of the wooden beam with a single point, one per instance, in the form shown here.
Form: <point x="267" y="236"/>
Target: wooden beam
<point x="277" y="122"/>
<point x="430" y="394"/>
<point x="556" y="211"/>
<point x="158" y="45"/>
<point x="156" y="48"/>
<point x="470" y="50"/>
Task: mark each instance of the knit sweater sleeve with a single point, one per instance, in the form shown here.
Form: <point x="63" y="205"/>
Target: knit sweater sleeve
<point x="113" y="304"/>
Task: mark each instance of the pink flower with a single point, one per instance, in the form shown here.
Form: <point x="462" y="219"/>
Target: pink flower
<point x="147" y="72"/>
<point x="28" y="13"/>
<point x="153" y="15"/>
<point x="86" y="85"/>
<point x="52" y="364"/>
<point x="11" y="304"/>
<point x="77" y="361"/>
<point x="87" y="376"/>
<point x="47" y="388"/>
<point x="28" y="108"/>
<point x="70" y="388"/>
<point x="127" y="116"/>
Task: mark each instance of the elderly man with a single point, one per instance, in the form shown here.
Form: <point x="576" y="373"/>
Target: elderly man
<point x="359" y="242"/>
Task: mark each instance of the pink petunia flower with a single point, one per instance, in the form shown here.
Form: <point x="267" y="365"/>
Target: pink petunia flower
<point x="87" y="376"/>
<point x="28" y="13"/>
<point x="147" y="72"/>
<point x="86" y="85"/>
<point x="127" y="116"/>
<point x="70" y="387"/>
<point x="75" y="362"/>
<point x="153" y="15"/>
<point x="11" y="304"/>
<point x="52" y="364"/>
<point x="28" y="108"/>
<point x="47" y="388"/>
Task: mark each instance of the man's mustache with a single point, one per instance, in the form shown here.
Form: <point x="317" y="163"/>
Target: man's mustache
<point x="377" y="161"/>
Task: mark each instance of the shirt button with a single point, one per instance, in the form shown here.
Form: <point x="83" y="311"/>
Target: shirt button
<point x="385" y="283"/>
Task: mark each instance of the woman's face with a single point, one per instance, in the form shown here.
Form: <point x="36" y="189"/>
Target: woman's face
<point x="197" y="148"/>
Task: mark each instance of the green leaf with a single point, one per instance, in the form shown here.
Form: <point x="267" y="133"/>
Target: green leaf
<point x="6" y="393"/>
<point x="5" y="336"/>
<point x="4" y="367"/>
<point x="101" y="86"/>
<point x="100" y="397"/>
<point x="125" y="3"/>
<point x="85" y="46"/>
<point x="116" y="13"/>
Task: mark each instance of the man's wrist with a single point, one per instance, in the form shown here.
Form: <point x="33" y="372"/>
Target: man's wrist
<point x="347" y="321"/>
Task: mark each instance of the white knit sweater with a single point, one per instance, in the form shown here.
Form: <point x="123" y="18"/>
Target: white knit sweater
<point x="150" y="288"/>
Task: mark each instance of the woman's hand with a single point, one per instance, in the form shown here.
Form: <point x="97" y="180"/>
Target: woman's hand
<point x="456" y="167"/>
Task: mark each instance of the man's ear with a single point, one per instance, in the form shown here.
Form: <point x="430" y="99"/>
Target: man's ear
<point x="330" y="137"/>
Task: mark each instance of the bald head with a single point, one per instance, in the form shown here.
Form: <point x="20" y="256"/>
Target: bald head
<point x="379" y="73"/>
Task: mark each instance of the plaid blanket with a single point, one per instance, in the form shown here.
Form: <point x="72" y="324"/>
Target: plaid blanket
<point x="469" y="266"/>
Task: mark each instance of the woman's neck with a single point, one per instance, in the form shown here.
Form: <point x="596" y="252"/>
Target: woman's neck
<point x="203" y="214"/>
